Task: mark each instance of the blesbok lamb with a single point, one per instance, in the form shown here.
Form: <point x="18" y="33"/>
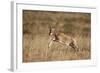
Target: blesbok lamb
<point x="56" y="36"/>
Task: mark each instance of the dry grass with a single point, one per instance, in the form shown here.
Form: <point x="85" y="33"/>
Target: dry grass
<point x="35" y="36"/>
<point x="37" y="50"/>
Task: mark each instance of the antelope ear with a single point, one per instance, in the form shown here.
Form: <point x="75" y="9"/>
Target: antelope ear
<point x="49" y="31"/>
<point x="49" y="26"/>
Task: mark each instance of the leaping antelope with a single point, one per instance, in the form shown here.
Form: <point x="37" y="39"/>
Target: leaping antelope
<point x="62" y="38"/>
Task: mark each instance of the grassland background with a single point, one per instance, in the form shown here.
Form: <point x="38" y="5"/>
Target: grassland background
<point x="35" y="35"/>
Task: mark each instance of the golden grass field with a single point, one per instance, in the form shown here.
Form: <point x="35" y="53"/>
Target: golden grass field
<point x="36" y="35"/>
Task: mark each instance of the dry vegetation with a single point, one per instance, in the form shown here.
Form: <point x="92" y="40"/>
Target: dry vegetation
<point x="35" y="35"/>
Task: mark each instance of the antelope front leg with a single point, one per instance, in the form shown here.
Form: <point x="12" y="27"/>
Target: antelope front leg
<point x="50" y="43"/>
